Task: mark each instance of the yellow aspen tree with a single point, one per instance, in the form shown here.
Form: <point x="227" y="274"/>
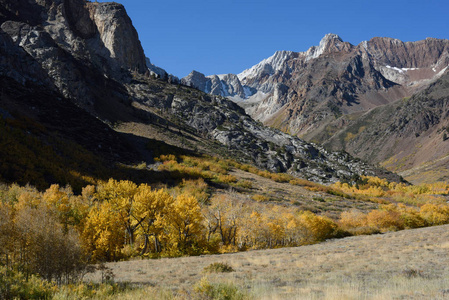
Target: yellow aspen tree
<point x="276" y="226"/>
<point x="149" y="206"/>
<point x="183" y="225"/>
<point x="222" y="218"/>
<point x="103" y="233"/>
<point x="318" y="228"/>
<point x="57" y="200"/>
<point x="294" y="229"/>
<point x="7" y="234"/>
<point x="120" y="194"/>
<point x="252" y="234"/>
<point x="46" y="247"/>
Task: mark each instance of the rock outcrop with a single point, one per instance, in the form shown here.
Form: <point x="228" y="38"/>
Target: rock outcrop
<point x="225" y="85"/>
<point x="118" y="35"/>
<point x="77" y="43"/>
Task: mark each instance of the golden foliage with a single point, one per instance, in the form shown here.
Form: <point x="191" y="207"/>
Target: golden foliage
<point x="103" y="233"/>
<point x="384" y="220"/>
<point x="260" y="198"/>
<point x="183" y="226"/>
<point x="434" y="214"/>
<point x="370" y="186"/>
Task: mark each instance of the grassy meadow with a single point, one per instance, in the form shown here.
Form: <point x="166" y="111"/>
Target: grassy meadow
<point x="410" y="264"/>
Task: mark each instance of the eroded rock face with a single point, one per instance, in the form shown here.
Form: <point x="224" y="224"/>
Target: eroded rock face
<point x="196" y="79"/>
<point x="226" y="85"/>
<point x="119" y="35"/>
<point x="79" y="18"/>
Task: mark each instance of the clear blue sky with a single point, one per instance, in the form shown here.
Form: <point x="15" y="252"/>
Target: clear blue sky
<point x="228" y="36"/>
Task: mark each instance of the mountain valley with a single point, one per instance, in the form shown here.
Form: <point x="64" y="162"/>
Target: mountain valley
<point x="108" y="162"/>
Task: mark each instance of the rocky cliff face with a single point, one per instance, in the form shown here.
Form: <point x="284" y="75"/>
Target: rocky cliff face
<point x="118" y="35"/>
<point x="77" y="43"/>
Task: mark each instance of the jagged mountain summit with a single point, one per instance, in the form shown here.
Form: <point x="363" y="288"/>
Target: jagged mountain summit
<point x="312" y="94"/>
<point x="88" y="54"/>
<point x="335" y="75"/>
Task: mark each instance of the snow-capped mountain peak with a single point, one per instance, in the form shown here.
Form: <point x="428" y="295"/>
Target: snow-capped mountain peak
<point x="326" y="41"/>
<point x="267" y="66"/>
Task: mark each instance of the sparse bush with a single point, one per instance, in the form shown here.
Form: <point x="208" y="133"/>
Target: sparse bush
<point x="260" y="198"/>
<point x="226" y="178"/>
<point x="218" y="291"/>
<point x="246" y="184"/>
<point x="412" y="273"/>
<point x="218" y="267"/>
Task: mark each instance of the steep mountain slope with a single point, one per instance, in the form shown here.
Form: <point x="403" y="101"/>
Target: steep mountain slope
<point x="410" y="136"/>
<point x="315" y="93"/>
<point x="89" y="54"/>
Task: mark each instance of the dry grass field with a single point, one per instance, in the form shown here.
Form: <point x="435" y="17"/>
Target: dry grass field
<point x="410" y="264"/>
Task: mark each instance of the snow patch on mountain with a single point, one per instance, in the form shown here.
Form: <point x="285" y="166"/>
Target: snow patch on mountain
<point x="401" y="70"/>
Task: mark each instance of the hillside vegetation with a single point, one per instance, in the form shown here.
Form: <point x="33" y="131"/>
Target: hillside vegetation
<point x="213" y="206"/>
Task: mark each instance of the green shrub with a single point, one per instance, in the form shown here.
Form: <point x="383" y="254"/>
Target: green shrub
<point x="218" y="291"/>
<point x="15" y="285"/>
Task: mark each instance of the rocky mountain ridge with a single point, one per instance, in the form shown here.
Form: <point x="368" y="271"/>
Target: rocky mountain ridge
<point x="319" y="92"/>
<point x="75" y="48"/>
<point x="335" y="76"/>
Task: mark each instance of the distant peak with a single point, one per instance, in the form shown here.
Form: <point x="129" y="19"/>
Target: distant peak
<point x="330" y="38"/>
<point x="267" y="66"/>
<point x="195" y="72"/>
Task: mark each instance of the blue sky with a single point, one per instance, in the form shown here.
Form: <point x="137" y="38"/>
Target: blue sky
<point x="216" y="37"/>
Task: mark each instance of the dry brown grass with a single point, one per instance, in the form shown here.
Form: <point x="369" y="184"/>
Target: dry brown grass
<point x="410" y="264"/>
